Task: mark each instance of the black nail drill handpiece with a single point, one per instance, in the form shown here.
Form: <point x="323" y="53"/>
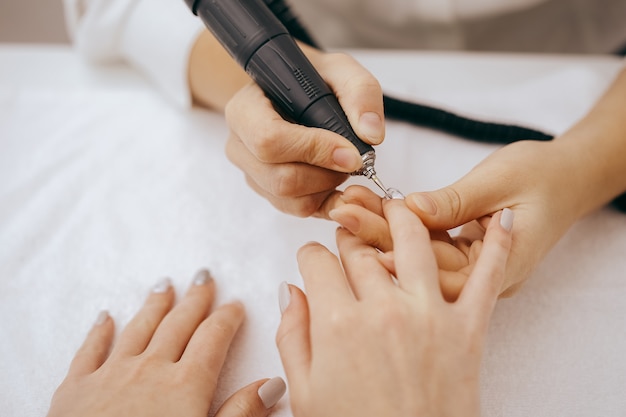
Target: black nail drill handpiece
<point x="261" y="44"/>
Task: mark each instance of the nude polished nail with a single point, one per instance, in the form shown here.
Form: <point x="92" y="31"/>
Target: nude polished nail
<point x="102" y="317"/>
<point x="284" y="296"/>
<point x="162" y="286"/>
<point x="506" y="219"/>
<point x="202" y="277"/>
<point x="272" y="391"/>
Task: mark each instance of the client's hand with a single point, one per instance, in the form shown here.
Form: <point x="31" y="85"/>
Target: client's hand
<point x="166" y="362"/>
<point x="361" y="343"/>
<point x="297" y="168"/>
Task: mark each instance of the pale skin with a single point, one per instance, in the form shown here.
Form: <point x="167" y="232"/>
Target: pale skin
<point x="550" y="185"/>
<point x="361" y="344"/>
<point x="166" y="362"/>
<point x="401" y="347"/>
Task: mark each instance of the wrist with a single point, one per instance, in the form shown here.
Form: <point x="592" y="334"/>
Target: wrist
<point x="596" y="150"/>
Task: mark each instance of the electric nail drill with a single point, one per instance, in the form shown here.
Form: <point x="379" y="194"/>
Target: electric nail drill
<point x="261" y="44"/>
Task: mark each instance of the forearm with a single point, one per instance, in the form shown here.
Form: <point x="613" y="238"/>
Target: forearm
<point x="596" y="149"/>
<point x="214" y="77"/>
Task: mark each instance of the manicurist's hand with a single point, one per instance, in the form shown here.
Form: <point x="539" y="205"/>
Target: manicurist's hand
<point x="360" y="211"/>
<point x="363" y="343"/>
<point x="166" y="362"/>
<point x="297" y="168"/>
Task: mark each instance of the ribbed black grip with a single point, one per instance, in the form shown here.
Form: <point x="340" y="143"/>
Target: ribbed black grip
<point x="261" y="44"/>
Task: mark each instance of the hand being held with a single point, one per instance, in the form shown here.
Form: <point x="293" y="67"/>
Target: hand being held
<point x="165" y="363"/>
<point x="532" y="178"/>
<point x="360" y="210"/>
<point x="362" y="343"/>
<point x="297" y="168"/>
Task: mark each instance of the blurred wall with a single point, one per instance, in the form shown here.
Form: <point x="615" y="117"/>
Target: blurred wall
<point x="32" y="21"/>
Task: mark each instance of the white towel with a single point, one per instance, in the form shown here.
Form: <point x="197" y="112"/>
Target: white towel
<point x="105" y="188"/>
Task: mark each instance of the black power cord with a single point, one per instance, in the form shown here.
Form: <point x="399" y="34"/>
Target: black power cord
<point x="428" y="116"/>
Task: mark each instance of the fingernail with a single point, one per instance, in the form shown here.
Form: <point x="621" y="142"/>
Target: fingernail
<point x="424" y="203"/>
<point x="506" y="219"/>
<point x="349" y="222"/>
<point x="272" y="391"/>
<point x="395" y="194"/>
<point x="202" y="277"/>
<point x="284" y="296"/>
<point x="162" y="286"/>
<point x="348" y="159"/>
<point x="371" y="126"/>
<point x="102" y="317"/>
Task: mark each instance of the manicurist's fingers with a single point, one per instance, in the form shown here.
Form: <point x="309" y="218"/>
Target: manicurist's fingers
<point x="293" y="335"/>
<point x="359" y="93"/>
<point x="254" y="400"/>
<point x="95" y="349"/>
<point x="175" y="330"/>
<point x="302" y="206"/>
<point x="415" y="263"/>
<point x="139" y="331"/>
<point x="274" y="140"/>
<point x="285" y="179"/>
<point x="485" y="282"/>
<point x="368" y="226"/>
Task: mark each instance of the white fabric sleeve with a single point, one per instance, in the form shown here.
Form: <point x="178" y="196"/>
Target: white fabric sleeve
<point x="154" y="36"/>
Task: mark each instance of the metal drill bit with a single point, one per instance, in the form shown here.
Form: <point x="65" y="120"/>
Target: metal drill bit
<point x="369" y="171"/>
<point x="380" y="185"/>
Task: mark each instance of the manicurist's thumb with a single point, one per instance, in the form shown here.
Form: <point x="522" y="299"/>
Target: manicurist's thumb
<point x="468" y="199"/>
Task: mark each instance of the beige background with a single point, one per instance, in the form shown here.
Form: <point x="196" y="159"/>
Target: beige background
<point x="32" y="21"/>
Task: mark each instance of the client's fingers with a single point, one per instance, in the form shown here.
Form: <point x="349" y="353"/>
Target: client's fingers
<point x="363" y="269"/>
<point x="254" y="400"/>
<point x="485" y="282"/>
<point x="368" y="226"/>
<point x="175" y="330"/>
<point x="209" y="344"/>
<point x="415" y="263"/>
<point x="95" y="349"/>
<point x="137" y="334"/>
<point x="293" y="336"/>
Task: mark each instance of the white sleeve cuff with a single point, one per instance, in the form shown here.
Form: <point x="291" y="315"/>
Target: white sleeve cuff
<point x="157" y="39"/>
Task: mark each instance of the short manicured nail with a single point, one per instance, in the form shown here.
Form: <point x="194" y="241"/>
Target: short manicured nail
<point x="424" y="203"/>
<point x="284" y="296"/>
<point x="348" y="159"/>
<point x="102" y="317"/>
<point x="371" y="126"/>
<point x="162" y="286"/>
<point x="272" y="391"/>
<point x="506" y="219"/>
<point x="202" y="277"/>
<point x="349" y="222"/>
<point x="394" y="194"/>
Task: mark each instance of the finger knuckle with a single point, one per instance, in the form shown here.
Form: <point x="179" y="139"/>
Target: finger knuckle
<point x="318" y="147"/>
<point x="245" y="407"/>
<point x="265" y="144"/>
<point x="285" y="180"/>
<point x="305" y="206"/>
<point x="454" y="201"/>
<point x="363" y="81"/>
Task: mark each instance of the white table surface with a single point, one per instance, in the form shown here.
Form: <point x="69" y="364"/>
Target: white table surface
<point x="105" y="188"/>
